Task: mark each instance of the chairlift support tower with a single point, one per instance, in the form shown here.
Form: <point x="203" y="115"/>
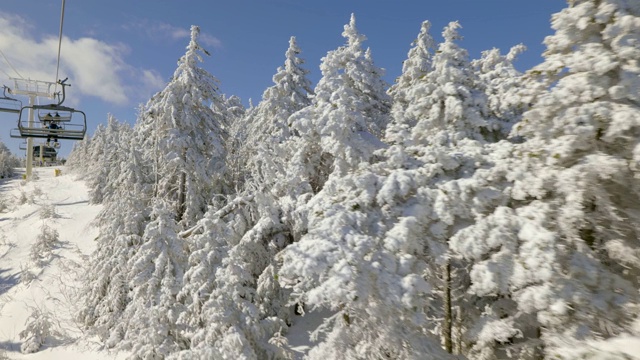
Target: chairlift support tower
<point x="32" y="89"/>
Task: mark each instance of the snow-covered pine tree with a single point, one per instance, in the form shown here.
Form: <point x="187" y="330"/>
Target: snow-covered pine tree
<point x="78" y="158"/>
<point x="564" y="247"/>
<point x="267" y="124"/>
<point x="91" y="169"/>
<point x="113" y="143"/>
<point x="246" y="304"/>
<point x="350" y="107"/>
<point x="209" y="242"/>
<point x="183" y="138"/>
<point x="231" y="113"/>
<point x="414" y="69"/>
<point x="7" y="162"/>
<point x="234" y="324"/>
<point x="122" y="222"/>
<point x="453" y="109"/>
<point x="291" y="92"/>
<point x="155" y="276"/>
<point x="231" y="248"/>
<point x="503" y="86"/>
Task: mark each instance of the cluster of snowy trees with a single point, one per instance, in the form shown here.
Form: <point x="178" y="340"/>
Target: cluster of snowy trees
<point x="467" y="210"/>
<point x="8" y="162"/>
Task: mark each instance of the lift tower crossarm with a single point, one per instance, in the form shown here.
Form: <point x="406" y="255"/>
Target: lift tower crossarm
<point x="31" y="87"/>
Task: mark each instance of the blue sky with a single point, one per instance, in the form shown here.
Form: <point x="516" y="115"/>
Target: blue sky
<point x="118" y="53"/>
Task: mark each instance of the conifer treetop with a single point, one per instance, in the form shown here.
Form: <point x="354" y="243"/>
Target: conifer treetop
<point x="192" y="56"/>
<point x="354" y="38"/>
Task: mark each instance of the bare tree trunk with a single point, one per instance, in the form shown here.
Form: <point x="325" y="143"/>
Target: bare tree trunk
<point x="182" y="197"/>
<point x="182" y="191"/>
<point x="448" y="313"/>
<point x="458" y="330"/>
<point x="155" y="167"/>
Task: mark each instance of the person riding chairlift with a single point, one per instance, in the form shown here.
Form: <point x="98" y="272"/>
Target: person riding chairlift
<point x="51" y="123"/>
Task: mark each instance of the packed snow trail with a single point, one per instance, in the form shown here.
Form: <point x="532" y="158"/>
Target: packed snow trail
<point x="39" y="276"/>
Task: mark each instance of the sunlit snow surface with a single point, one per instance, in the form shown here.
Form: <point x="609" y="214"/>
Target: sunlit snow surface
<point x="61" y="204"/>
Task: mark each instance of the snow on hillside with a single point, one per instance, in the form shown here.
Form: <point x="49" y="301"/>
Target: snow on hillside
<point x="37" y="272"/>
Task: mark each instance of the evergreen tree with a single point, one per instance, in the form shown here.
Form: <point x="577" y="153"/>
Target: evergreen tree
<point x="291" y="92"/>
<point x="231" y="113"/>
<point x="106" y="293"/>
<point x="349" y="108"/>
<point x="563" y="247"/>
<point x="7" y="162"/>
<point x="184" y="138"/>
<point x="156" y="272"/>
<point x="267" y="124"/>
<point x="94" y="164"/>
<point x="209" y="242"/>
<point x="414" y="70"/>
<point x="110" y="148"/>
<point x="503" y="85"/>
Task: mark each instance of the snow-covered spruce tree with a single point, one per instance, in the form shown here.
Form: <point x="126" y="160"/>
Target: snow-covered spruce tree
<point x="78" y="156"/>
<point x="453" y="109"/>
<point x="564" y="248"/>
<point x="155" y="276"/>
<point x="231" y="308"/>
<point x="230" y="320"/>
<point x="349" y="108"/>
<point x="208" y="242"/>
<point x="85" y="163"/>
<point x="7" y="162"/>
<point x="232" y="114"/>
<point x="290" y="93"/>
<point x="246" y="304"/>
<point x="183" y="137"/>
<point x="122" y="222"/>
<point x="267" y="124"/>
<point x="376" y="251"/>
<point x="503" y="85"/>
<point x="414" y="70"/>
<point x="110" y="149"/>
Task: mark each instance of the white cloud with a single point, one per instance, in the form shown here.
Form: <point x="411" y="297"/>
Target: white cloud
<point x="160" y="31"/>
<point x="210" y="40"/>
<point x="94" y="67"/>
<point x="173" y="31"/>
<point x="151" y="81"/>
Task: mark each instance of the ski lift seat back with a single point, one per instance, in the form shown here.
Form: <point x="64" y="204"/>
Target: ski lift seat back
<point x="57" y="116"/>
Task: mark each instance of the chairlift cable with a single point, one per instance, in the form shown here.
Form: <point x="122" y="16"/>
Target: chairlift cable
<point x="59" y="46"/>
<point x="4" y="72"/>
<point x="9" y="63"/>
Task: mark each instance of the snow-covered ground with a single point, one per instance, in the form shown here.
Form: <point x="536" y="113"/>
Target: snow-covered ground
<point x="44" y="282"/>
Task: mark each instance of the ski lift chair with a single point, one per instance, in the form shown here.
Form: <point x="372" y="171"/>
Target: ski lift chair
<point x="71" y="123"/>
<point x="9" y="104"/>
<point x="15" y="133"/>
